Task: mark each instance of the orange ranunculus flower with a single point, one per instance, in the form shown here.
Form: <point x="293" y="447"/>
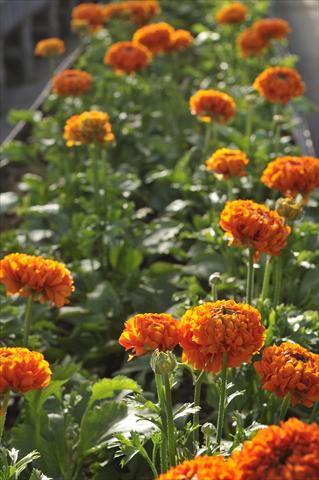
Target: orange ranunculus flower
<point x="279" y="84"/>
<point x="71" y="83"/>
<point x="141" y="11"/>
<point x="25" y="275"/>
<point x="50" y="47"/>
<point x="22" y="370"/>
<point x="251" y="224"/>
<point x="209" y="105"/>
<point x="180" y="40"/>
<point x="91" y="13"/>
<point x="292" y="175"/>
<point x="88" y="127"/>
<point x="202" y="468"/>
<point x="127" y="57"/>
<point x="211" y="329"/>
<point x="146" y="332"/>
<point x="286" y="452"/>
<point x="233" y="13"/>
<point x="290" y="368"/>
<point x="228" y="162"/>
<point x="157" y="37"/>
<point x="251" y="43"/>
<point x="272" y="28"/>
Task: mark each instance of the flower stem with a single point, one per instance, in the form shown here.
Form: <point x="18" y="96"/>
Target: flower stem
<point x="4" y="409"/>
<point x="284" y="407"/>
<point x="276" y="125"/>
<point x="197" y="390"/>
<point x="161" y="401"/>
<point x="222" y="397"/>
<point x="27" y="321"/>
<point x="170" y="422"/>
<point x="230" y="189"/>
<point x="95" y="172"/>
<point x="267" y="271"/>
<point x="278" y="279"/>
<point x="250" y="277"/>
<point x="249" y="126"/>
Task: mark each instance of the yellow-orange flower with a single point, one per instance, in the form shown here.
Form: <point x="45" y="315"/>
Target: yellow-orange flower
<point x="146" y="332"/>
<point x="91" y="13"/>
<point x="141" y="11"/>
<point x="251" y="224"/>
<point x="127" y="57"/>
<point x="233" y="13"/>
<point x="211" y="329"/>
<point x="250" y="42"/>
<point x="22" y="370"/>
<point x="279" y="84"/>
<point x="272" y="28"/>
<point x="25" y="275"/>
<point x="292" y="175"/>
<point x="290" y="368"/>
<point x="71" y="83"/>
<point x="50" y="47"/>
<point x="180" y="40"/>
<point x="286" y="452"/>
<point x="88" y="127"/>
<point x="156" y="37"/>
<point x="209" y="105"/>
<point x="228" y="162"/>
<point x="202" y="468"/>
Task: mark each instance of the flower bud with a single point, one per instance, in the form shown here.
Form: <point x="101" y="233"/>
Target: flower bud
<point x="215" y="278"/>
<point x="163" y="362"/>
<point x="208" y="429"/>
<point x="289" y="208"/>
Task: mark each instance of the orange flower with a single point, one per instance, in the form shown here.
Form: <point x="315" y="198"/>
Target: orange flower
<point x="180" y="40"/>
<point x="272" y="28"/>
<point x="251" y="224"/>
<point x="22" y="370"/>
<point x="127" y="57"/>
<point x="146" y="332"/>
<point x="156" y="37"/>
<point x="91" y="13"/>
<point x="211" y="329"/>
<point x="286" y="452"/>
<point x="71" y="83"/>
<point x="141" y="11"/>
<point x="211" y="105"/>
<point x="26" y="275"/>
<point x="233" y="13"/>
<point x="290" y="368"/>
<point x="50" y="47"/>
<point x="292" y="175"/>
<point x="250" y="42"/>
<point x="202" y="468"/>
<point x="88" y="127"/>
<point x="113" y="10"/>
<point x="279" y="84"/>
<point x="228" y="162"/>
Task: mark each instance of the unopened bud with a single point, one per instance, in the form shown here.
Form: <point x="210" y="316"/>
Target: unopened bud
<point x="208" y="429"/>
<point x="163" y="362"/>
<point x="215" y="278"/>
<point x="289" y="208"/>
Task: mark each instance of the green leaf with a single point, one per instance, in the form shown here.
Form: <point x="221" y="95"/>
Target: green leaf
<point x="107" y="387"/>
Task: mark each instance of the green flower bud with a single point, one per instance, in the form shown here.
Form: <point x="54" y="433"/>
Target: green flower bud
<point x="163" y="362"/>
<point x="289" y="208"/>
<point x="215" y="278"/>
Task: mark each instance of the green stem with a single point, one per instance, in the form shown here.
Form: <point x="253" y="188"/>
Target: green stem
<point x="277" y="129"/>
<point x="149" y="461"/>
<point x="250" y="277"/>
<point x="265" y="287"/>
<point x="249" y="127"/>
<point x="197" y="390"/>
<point x="284" y="407"/>
<point x="214" y="293"/>
<point x="95" y="172"/>
<point x="278" y="280"/>
<point x="230" y="189"/>
<point x="27" y="321"/>
<point x="161" y="401"/>
<point x="222" y="397"/>
<point x="170" y="422"/>
<point x="4" y="409"/>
